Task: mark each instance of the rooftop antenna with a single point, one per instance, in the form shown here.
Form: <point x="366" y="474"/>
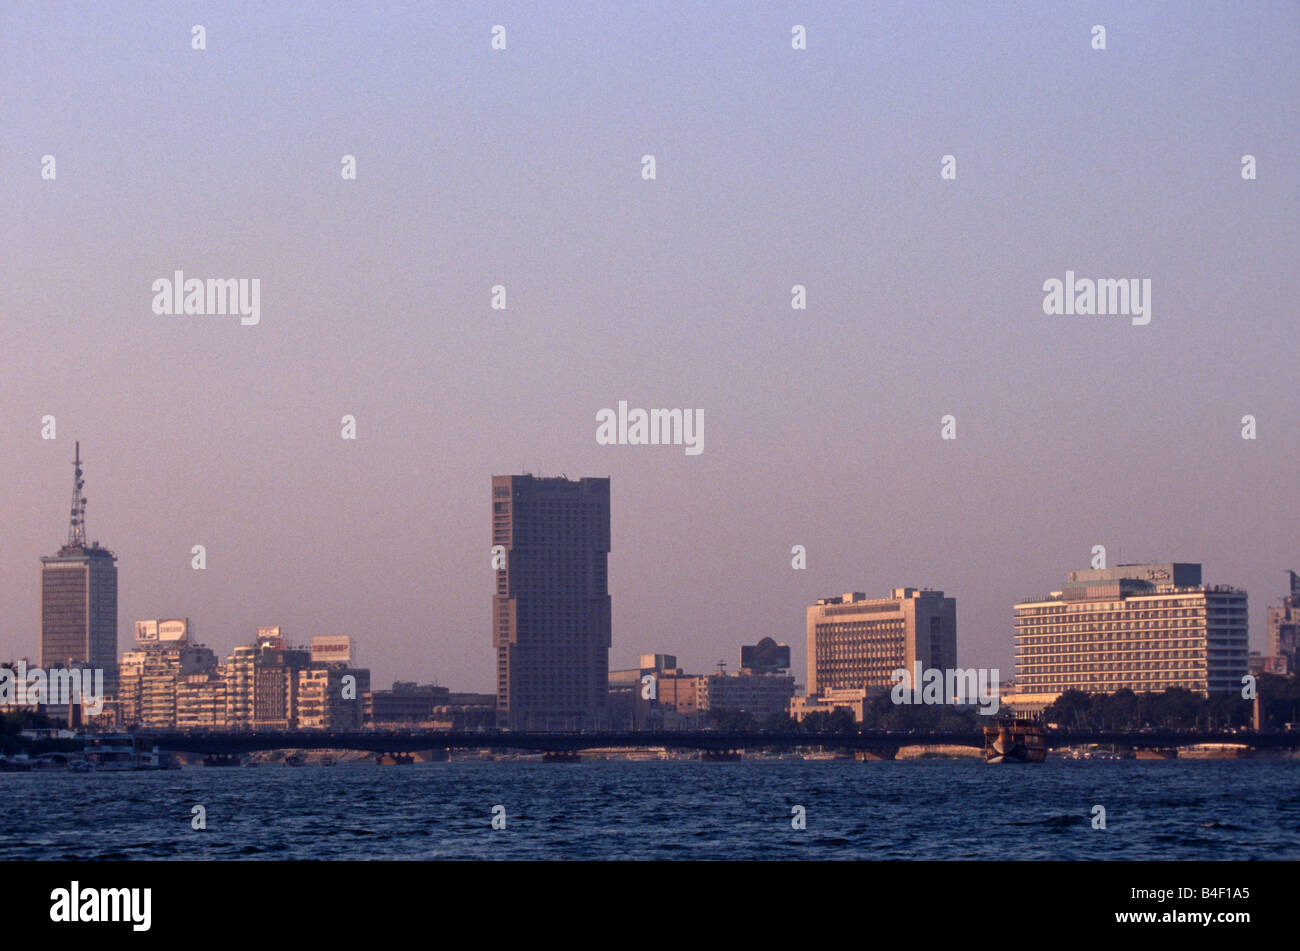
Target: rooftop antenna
<point x="77" y="519"/>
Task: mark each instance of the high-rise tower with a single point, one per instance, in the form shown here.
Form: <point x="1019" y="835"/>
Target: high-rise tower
<point x="1284" y="626"/>
<point x="79" y="598"/>
<point x="551" y="611"/>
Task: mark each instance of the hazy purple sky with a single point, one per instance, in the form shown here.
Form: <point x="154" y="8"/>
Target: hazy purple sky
<point x="522" y="168"/>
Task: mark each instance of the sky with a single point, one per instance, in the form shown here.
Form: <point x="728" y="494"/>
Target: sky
<point x="522" y="167"/>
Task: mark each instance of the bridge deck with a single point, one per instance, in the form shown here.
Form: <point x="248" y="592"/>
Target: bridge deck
<point x="399" y="741"/>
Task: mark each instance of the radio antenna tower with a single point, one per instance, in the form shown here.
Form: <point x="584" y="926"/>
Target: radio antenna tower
<point x="77" y="521"/>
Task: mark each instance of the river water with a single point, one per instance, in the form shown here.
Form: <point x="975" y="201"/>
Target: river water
<point x="919" y="809"/>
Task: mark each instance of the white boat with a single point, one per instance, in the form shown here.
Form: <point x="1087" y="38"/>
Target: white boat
<point x="116" y="752"/>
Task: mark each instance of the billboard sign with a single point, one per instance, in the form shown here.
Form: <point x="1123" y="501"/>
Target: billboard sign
<point x="146" y="632"/>
<point x="332" y="648"/>
<point x="173" y="629"/>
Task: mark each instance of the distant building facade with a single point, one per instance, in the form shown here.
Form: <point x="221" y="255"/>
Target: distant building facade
<point x="852" y="700"/>
<point x="275" y="686"/>
<point x="407" y="702"/>
<point x="754" y="692"/>
<point x="468" y="711"/>
<point x="854" y="642"/>
<point x="170" y="683"/>
<point x="657" y="694"/>
<point x="679" y="693"/>
<point x="327" y="700"/>
<point x="551" y="610"/>
<point x="1283" y="628"/>
<point x="201" y="702"/>
<point x="151" y="674"/>
<point x="634" y="701"/>
<point x="765" y="657"/>
<point x="1141" y="627"/>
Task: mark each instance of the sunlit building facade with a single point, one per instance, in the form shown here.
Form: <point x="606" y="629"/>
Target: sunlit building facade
<point x="1140" y="627"/>
<point x="855" y="642"/>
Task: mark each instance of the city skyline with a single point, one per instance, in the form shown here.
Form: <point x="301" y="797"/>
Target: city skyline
<point x="78" y="540"/>
<point x="522" y="169"/>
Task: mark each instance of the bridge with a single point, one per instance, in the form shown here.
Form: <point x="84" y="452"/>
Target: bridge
<point x="882" y="742"/>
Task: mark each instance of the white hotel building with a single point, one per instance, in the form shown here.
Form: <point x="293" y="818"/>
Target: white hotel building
<point x="1141" y="627"/>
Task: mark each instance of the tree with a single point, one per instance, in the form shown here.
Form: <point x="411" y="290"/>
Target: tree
<point x="1071" y="710"/>
<point x="778" y="722"/>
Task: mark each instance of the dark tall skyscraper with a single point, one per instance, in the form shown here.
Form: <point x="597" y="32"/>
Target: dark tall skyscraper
<point x="1284" y="627"/>
<point x="551" y="611"/>
<point x="79" y="598"/>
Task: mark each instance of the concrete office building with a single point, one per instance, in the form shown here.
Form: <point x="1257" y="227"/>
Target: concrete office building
<point x="149" y="675"/>
<point x="679" y="699"/>
<point x="633" y="702"/>
<point x="406" y="703"/>
<point x="762" y="686"/>
<point x="551" y="609"/>
<point x="262" y="682"/>
<point x="275" y="687"/>
<point x="149" y="682"/>
<point x="79" y="598"/>
<point x="754" y="692"/>
<point x="1284" y="629"/>
<point x="331" y="691"/>
<point x="269" y="685"/>
<point x="201" y="702"/>
<point x="854" y="642"/>
<point x="239" y="687"/>
<point x="1140" y="627"/>
<point x="325" y="704"/>
<point x="467" y="711"/>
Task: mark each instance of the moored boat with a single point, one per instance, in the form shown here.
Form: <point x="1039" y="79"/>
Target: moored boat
<point x="1015" y="740"/>
<point x="117" y="752"/>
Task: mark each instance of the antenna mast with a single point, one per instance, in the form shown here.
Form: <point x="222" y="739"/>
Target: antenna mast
<point x="77" y="521"/>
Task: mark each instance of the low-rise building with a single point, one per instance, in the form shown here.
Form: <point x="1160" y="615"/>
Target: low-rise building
<point x="332" y="697"/>
<point x="407" y="702"/>
<point x="852" y="699"/>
